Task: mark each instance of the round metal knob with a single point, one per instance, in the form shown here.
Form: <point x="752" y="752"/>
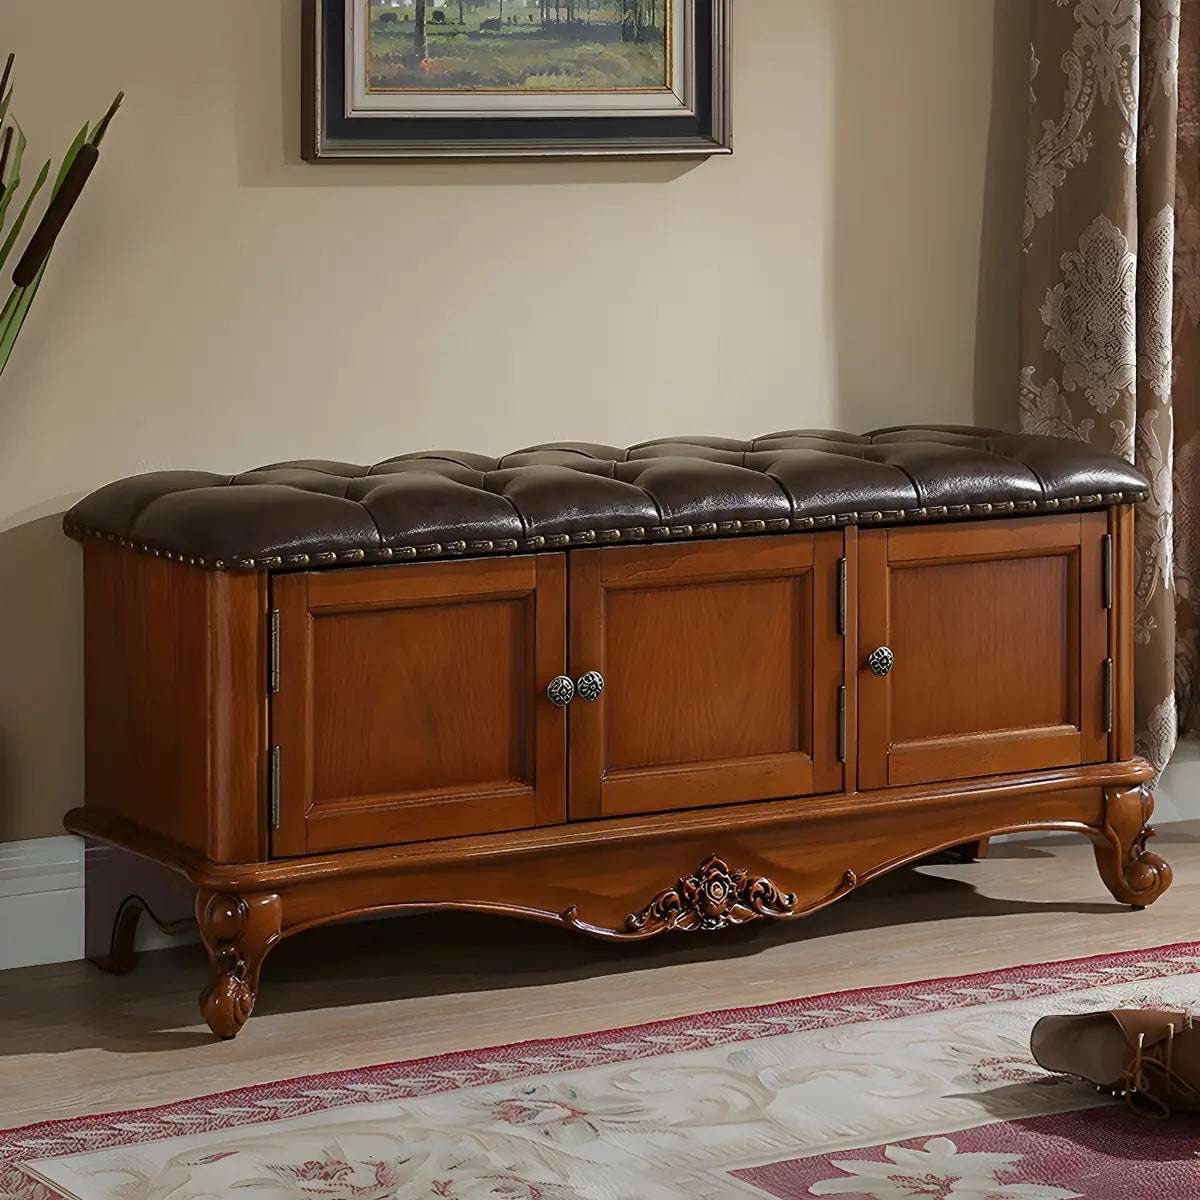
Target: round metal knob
<point x="561" y="691"/>
<point x="590" y="687"/>
<point x="881" y="661"/>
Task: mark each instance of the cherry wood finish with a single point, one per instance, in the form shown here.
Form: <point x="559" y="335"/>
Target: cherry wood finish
<point x="1000" y="641"/>
<point x="712" y="663"/>
<point x="174" y="660"/>
<point x="1120" y="630"/>
<point x="238" y="932"/>
<point x="607" y="878"/>
<point x="424" y="767"/>
<point x="849" y="699"/>
<point x="411" y="703"/>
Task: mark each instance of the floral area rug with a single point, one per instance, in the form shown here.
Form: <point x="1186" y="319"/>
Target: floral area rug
<point x="919" y="1091"/>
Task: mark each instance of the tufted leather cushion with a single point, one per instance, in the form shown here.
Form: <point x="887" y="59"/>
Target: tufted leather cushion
<point x="440" y="504"/>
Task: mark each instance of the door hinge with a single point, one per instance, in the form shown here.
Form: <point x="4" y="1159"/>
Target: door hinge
<point x="273" y="652"/>
<point x="842" y="724"/>
<point x="273" y="787"/>
<point x="1108" y="571"/>
<point x="843" y="595"/>
<point x="1109" y="697"/>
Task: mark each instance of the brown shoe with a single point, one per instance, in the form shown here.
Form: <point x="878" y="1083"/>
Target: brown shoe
<point x="1151" y="1058"/>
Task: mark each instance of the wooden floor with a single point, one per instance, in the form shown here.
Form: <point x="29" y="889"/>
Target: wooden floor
<point x="74" y="1041"/>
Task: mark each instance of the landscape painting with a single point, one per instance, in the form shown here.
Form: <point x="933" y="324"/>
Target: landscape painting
<point x="487" y="80"/>
<point x="525" y="47"/>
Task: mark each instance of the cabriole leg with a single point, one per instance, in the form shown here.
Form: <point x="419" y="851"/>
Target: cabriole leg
<point x="973" y="851"/>
<point x="237" y="931"/>
<point x="116" y="955"/>
<point x="1132" y="873"/>
<point x="118" y="888"/>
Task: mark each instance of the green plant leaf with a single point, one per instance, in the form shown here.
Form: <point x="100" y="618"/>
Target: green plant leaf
<point x="14" y="173"/>
<point x="72" y="153"/>
<point x="14" y="232"/>
<point x="101" y="127"/>
<point x="80" y="140"/>
<point x="6" y="92"/>
<point x="20" y="300"/>
<point x="14" y="316"/>
<point x="9" y="305"/>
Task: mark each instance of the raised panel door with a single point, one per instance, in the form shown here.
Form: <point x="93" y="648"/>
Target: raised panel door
<point x="722" y="664"/>
<point x="998" y="642"/>
<point x="412" y="705"/>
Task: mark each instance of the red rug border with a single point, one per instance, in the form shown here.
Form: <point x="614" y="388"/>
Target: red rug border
<point x="61" y="1127"/>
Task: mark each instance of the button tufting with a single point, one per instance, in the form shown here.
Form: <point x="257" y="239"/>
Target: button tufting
<point x="439" y="505"/>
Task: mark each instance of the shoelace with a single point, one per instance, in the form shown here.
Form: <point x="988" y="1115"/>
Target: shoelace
<point x="1151" y="1077"/>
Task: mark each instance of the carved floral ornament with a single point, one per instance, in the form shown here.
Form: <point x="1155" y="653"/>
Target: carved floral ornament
<point x="715" y="898"/>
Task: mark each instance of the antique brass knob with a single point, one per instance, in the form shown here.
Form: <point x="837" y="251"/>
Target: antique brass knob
<point x="561" y="691"/>
<point x="881" y="661"/>
<point x="590" y="687"/>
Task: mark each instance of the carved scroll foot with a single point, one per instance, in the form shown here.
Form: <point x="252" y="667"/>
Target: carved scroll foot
<point x="1133" y="874"/>
<point x="238" y="931"/>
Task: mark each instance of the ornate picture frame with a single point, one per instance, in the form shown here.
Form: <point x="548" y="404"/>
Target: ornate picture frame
<point x="516" y="79"/>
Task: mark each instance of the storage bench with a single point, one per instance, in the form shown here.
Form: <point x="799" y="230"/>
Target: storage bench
<point x="673" y="687"/>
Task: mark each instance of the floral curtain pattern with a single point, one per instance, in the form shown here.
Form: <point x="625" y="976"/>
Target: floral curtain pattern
<point x="1110" y="321"/>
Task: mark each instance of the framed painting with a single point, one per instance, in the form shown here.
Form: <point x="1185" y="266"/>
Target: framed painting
<point x="486" y="79"/>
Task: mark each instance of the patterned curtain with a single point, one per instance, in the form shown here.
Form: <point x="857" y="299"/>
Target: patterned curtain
<point x="1110" y="323"/>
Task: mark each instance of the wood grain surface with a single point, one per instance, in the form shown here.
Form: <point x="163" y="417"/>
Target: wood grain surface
<point x="74" y="1040"/>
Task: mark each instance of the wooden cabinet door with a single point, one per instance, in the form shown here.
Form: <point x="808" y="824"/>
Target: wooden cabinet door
<point x="999" y="636"/>
<point x="412" y="705"/>
<point x="722" y="666"/>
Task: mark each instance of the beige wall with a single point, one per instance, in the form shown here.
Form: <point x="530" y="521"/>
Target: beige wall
<point x="216" y="303"/>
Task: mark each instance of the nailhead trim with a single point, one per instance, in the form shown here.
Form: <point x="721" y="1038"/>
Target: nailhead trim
<point x="587" y="537"/>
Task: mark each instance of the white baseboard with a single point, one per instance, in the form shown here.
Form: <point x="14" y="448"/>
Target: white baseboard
<point x="41" y="901"/>
<point x="42" y="904"/>
<point x="1177" y="797"/>
<point x="41" y="881"/>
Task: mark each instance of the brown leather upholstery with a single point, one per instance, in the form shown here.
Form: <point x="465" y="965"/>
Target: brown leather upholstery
<point x="440" y="504"/>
